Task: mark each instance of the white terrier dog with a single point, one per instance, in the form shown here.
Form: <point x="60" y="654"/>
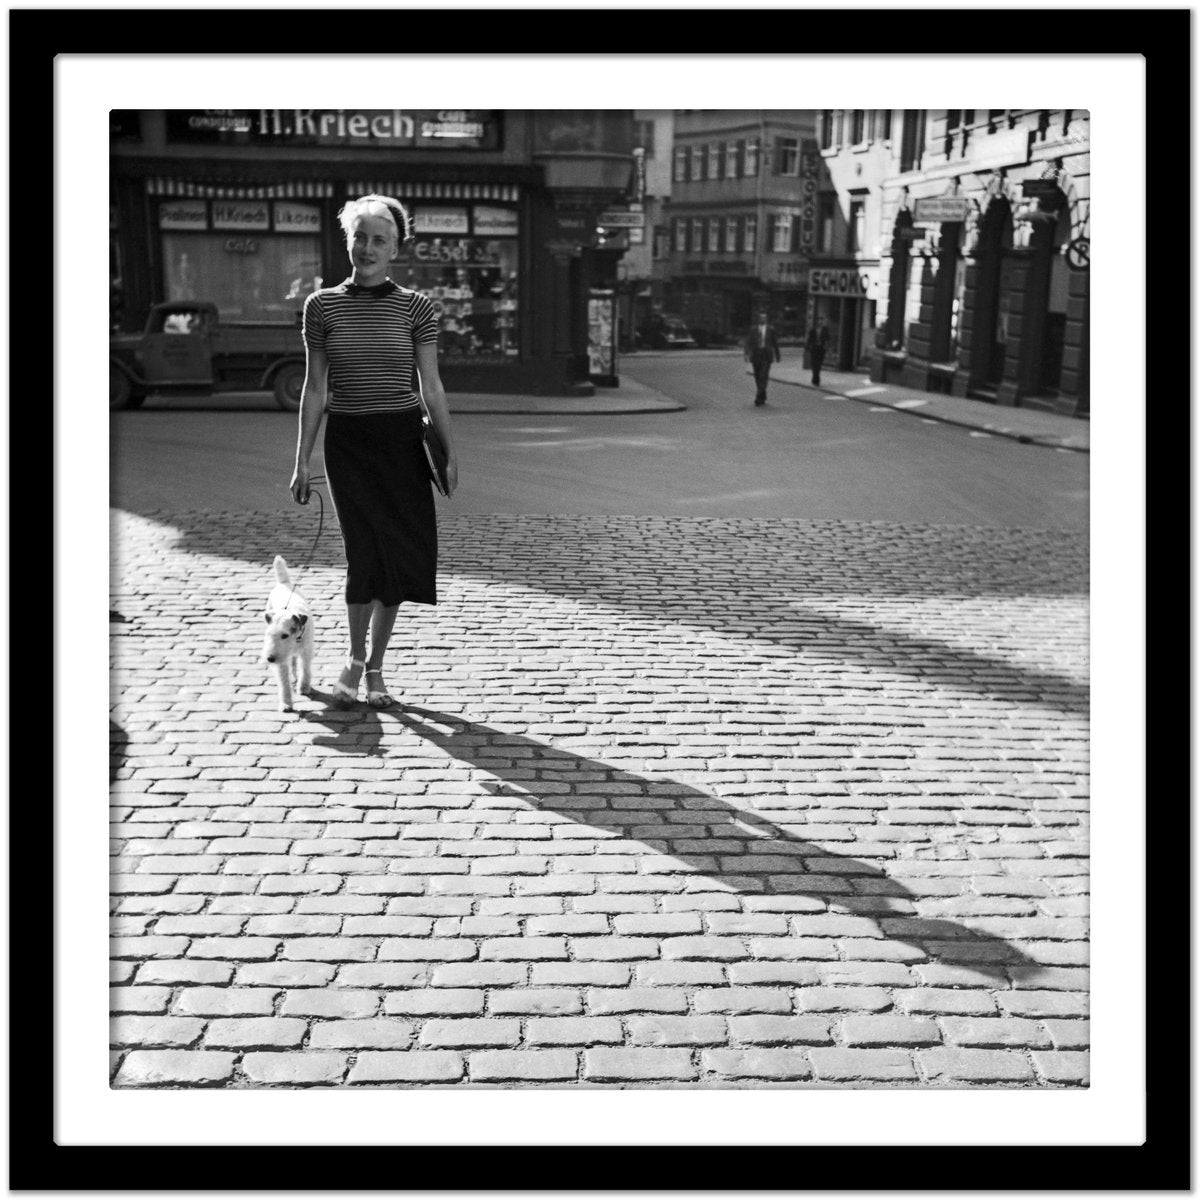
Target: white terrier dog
<point x="289" y="638"/>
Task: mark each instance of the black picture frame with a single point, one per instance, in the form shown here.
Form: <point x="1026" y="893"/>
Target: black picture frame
<point x="1162" y="1162"/>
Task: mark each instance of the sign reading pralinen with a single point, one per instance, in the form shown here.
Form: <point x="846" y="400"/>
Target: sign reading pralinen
<point x="441" y="129"/>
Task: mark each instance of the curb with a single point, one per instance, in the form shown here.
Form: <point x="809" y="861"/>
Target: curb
<point x="1024" y="438"/>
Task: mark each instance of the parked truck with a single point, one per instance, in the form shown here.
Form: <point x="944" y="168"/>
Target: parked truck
<point x="186" y="350"/>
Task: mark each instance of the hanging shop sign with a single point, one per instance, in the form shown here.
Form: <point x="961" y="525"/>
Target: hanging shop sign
<point x="639" y="175"/>
<point x="441" y="129"/>
<point x="495" y="222"/>
<point x="296" y="218"/>
<point x="183" y="214"/>
<point x="1078" y="254"/>
<point x="440" y="220"/>
<point x="616" y="218"/>
<point x="240" y="214"/>
<point x="941" y="208"/>
<point x="856" y="283"/>
<point x="1007" y="149"/>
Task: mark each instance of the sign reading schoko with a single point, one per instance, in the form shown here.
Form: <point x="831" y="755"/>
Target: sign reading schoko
<point x="853" y="283"/>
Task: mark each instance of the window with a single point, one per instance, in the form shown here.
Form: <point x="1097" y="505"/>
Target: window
<point x="680" y="164"/>
<point x="731" y="160"/>
<point x="643" y="135"/>
<point x="750" y="162"/>
<point x="680" y="228"/>
<point x="912" y="139"/>
<point x="751" y="235"/>
<point x="697" y="235"/>
<point x="782" y="232"/>
<point x="825" y="223"/>
<point x="714" y="161"/>
<point x="662" y="243"/>
<point x="885" y="124"/>
<point x="731" y="234"/>
<point x="696" y="169"/>
<point x="856" y="234"/>
<point x="858" y="132"/>
<point x="826" y="129"/>
<point x="788" y="156"/>
<point x="953" y="119"/>
<point x="714" y="235"/>
<point x="268" y="285"/>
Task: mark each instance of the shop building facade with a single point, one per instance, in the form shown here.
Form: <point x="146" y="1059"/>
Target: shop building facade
<point x="239" y="207"/>
<point x="984" y="231"/>
<point x="741" y="224"/>
<point x="643" y="267"/>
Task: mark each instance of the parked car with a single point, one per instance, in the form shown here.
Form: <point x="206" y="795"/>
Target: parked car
<point x="185" y="349"/>
<point x="666" y="333"/>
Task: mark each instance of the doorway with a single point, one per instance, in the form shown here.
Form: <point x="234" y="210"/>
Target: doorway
<point x="988" y="351"/>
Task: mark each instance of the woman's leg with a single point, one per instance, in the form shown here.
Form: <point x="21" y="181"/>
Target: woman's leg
<point x="383" y="618"/>
<point x="358" y="617"/>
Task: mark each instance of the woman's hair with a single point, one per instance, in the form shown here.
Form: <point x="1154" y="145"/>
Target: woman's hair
<point x="377" y="206"/>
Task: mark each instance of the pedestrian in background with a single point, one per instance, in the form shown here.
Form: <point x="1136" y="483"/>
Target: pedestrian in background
<point x="816" y="344"/>
<point x="366" y="341"/>
<point x="761" y="349"/>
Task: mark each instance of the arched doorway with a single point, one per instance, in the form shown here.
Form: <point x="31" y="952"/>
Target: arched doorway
<point x="989" y="335"/>
<point x="1049" y="312"/>
<point x="898" y="280"/>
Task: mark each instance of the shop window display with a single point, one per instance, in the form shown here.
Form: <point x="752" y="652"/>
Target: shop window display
<point x="250" y="277"/>
<point x="472" y="282"/>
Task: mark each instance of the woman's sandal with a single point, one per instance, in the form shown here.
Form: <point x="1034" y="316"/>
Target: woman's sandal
<point x="378" y="699"/>
<point x="343" y="695"/>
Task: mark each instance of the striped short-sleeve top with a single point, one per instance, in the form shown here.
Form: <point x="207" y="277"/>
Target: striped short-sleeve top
<point x="369" y="335"/>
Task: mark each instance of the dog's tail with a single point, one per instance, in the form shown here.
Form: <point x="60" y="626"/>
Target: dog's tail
<point x="281" y="571"/>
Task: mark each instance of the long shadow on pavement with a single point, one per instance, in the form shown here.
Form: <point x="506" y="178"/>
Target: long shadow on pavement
<point x="792" y="584"/>
<point x="706" y="836"/>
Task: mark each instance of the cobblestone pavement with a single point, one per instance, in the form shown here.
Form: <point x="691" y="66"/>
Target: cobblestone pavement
<point x="669" y="803"/>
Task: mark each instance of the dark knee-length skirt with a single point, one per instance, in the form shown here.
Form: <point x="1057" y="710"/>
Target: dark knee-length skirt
<point x="379" y="483"/>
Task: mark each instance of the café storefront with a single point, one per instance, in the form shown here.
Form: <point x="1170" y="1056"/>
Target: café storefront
<point x="240" y="209"/>
<point x="843" y="296"/>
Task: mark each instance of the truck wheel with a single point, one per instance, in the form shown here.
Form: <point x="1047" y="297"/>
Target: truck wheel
<point x="119" y="389"/>
<point x="289" y="383"/>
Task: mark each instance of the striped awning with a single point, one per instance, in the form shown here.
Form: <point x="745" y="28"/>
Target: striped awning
<point x="298" y="190"/>
<point x="437" y="191"/>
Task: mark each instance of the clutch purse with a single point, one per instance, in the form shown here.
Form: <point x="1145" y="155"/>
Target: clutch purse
<point x="435" y="455"/>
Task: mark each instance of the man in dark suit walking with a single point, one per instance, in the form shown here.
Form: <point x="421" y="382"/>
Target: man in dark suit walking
<point x="761" y="349"/>
<point x="816" y="344"/>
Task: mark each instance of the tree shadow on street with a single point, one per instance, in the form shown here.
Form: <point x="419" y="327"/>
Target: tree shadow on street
<point x="742" y="851"/>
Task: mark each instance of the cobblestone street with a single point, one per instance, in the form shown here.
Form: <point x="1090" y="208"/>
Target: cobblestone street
<point x="668" y="802"/>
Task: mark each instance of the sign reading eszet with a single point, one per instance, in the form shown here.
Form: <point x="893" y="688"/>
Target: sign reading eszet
<point x="941" y="208"/>
<point x="444" y="129"/>
<point x="857" y="282"/>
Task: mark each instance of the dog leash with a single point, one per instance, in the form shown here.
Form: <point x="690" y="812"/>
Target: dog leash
<point x="320" y="526"/>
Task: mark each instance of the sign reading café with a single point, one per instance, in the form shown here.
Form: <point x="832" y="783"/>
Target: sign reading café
<point x="440" y="129"/>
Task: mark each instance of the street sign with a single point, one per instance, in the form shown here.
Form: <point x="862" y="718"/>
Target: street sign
<point x="622" y="219"/>
<point x="1040" y="187"/>
<point x="941" y="208"/>
<point x="1078" y="254"/>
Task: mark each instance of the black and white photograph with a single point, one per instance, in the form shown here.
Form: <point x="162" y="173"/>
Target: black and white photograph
<point x="602" y="606"/>
<point x="726" y="724"/>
